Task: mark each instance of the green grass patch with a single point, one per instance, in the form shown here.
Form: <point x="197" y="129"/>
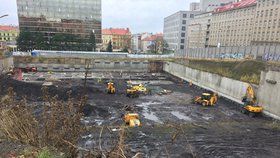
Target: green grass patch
<point x="246" y="70"/>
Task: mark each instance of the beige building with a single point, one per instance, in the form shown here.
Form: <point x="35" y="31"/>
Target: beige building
<point x="119" y="37"/>
<point x="267" y="23"/>
<point x="233" y="24"/>
<point x="199" y="31"/>
<point x="8" y="33"/>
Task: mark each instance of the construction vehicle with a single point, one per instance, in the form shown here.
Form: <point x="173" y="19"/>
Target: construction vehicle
<point x="132" y="93"/>
<point x="132" y="120"/>
<point x="111" y="88"/>
<point x="136" y="90"/>
<point x="250" y="103"/>
<point x="141" y="89"/>
<point x="206" y="99"/>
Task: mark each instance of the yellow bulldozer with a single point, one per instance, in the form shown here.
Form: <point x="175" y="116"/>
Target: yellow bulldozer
<point x="135" y="91"/>
<point x="132" y="120"/>
<point x="111" y="89"/>
<point x="206" y="99"/>
<point x="250" y="103"/>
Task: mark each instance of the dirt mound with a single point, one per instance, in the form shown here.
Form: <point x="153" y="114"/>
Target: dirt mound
<point x="33" y="91"/>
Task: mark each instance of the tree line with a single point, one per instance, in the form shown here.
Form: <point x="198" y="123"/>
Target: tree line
<point x="27" y="41"/>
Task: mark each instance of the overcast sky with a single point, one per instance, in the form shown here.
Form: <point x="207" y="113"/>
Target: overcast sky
<point x="138" y="15"/>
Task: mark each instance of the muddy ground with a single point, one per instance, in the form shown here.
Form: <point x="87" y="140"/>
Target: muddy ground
<point x="172" y="125"/>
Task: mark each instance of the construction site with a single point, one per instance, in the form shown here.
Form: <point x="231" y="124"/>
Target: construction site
<point x="145" y="110"/>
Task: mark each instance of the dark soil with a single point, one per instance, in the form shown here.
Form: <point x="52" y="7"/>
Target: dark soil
<point x="172" y="125"/>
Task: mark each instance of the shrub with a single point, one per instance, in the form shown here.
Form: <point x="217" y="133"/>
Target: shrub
<point x="57" y="126"/>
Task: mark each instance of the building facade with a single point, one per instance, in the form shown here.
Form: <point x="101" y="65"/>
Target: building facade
<point x="8" y="33"/>
<point x="199" y="31"/>
<point x="120" y="38"/>
<point x="233" y="24"/>
<point x="153" y="44"/>
<point x="175" y="30"/>
<point x="267" y="23"/>
<point x="49" y="17"/>
<point x="194" y="6"/>
<point x="136" y="43"/>
<point x="210" y="5"/>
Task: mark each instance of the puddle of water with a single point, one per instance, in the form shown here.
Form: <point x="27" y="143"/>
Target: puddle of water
<point x="146" y="104"/>
<point x="206" y="117"/>
<point x="151" y="116"/>
<point x="181" y="116"/>
<point x="147" y="113"/>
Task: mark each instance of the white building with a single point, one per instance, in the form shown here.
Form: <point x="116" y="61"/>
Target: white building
<point x="136" y="43"/>
<point x="199" y="30"/>
<point x="175" y="30"/>
<point x="194" y="6"/>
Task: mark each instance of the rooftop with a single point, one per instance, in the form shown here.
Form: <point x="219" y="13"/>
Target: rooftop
<point x="116" y="31"/>
<point x="8" y="28"/>
<point x="241" y="4"/>
<point x="153" y="37"/>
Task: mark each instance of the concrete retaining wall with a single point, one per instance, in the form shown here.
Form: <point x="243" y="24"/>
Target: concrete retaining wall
<point x="269" y="94"/>
<point x="268" y="91"/>
<point x="94" y="66"/>
<point x="229" y="88"/>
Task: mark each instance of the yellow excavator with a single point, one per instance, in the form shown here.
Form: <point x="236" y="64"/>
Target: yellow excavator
<point x="206" y="99"/>
<point x="111" y="88"/>
<point x="250" y="103"/>
<point x="132" y="120"/>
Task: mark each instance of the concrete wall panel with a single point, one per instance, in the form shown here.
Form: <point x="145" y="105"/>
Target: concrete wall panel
<point x="226" y="87"/>
<point x="268" y="93"/>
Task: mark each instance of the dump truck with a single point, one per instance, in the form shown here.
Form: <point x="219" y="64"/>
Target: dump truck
<point x="111" y="88"/>
<point x="250" y="105"/>
<point x="132" y="120"/>
<point x="206" y="99"/>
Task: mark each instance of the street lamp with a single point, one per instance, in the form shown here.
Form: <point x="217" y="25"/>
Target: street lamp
<point x="4" y="16"/>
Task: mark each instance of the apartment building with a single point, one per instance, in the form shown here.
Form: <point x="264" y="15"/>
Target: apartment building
<point x="194" y="6"/>
<point x="233" y="24"/>
<point x="267" y="23"/>
<point x="120" y="38"/>
<point x="152" y="44"/>
<point x="8" y="33"/>
<point x="136" y="43"/>
<point x="210" y="5"/>
<point x="199" y="30"/>
<point x="175" y="30"/>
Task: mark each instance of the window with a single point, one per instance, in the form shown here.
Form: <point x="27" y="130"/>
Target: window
<point x="183" y="34"/>
<point x="183" y="28"/>
<point x="182" y="47"/>
<point x="182" y="40"/>
<point x="184" y="22"/>
<point x="184" y="15"/>
<point x="191" y="15"/>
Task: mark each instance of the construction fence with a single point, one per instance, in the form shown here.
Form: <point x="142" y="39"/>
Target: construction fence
<point x="265" y="53"/>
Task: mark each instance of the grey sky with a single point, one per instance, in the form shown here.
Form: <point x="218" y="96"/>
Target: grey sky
<point x="138" y="15"/>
